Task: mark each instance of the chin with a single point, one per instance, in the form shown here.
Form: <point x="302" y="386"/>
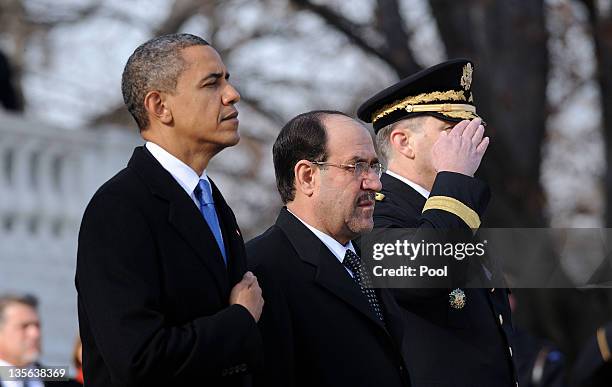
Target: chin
<point x="236" y="139"/>
<point x="31" y="357"/>
<point x="232" y="137"/>
<point x="227" y="141"/>
<point x="362" y="226"/>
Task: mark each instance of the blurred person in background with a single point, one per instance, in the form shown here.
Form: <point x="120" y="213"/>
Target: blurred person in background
<point x="10" y="98"/>
<point x="163" y="293"/>
<point x="593" y="367"/>
<point x="540" y="363"/>
<point x="20" y="340"/>
<point x="20" y="335"/>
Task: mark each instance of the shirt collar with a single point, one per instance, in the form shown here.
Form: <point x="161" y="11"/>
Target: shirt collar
<point x="425" y="193"/>
<point x="333" y="245"/>
<point x="5" y="363"/>
<point x="182" y="173"/>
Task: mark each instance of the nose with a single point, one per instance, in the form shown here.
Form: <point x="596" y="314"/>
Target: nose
<point x="34" y="331"/>
<point x="230" y="95"/>
<point x="371" y="182"/>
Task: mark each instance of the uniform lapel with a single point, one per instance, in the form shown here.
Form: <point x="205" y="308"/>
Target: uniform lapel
<point x="183" y="214"/>
<point x="330" y="273"/>
<point x="401" y="194"/>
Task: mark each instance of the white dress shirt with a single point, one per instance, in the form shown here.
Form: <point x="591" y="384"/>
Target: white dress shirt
<point x="182" y="173"/>
<point x="19" y="383"/>
<point x="411" y="183"/>
<point x="338" y="249"/>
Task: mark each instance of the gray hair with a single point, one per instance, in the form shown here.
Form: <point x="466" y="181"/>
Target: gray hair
<point x="154" y="65"/>
<point x="7" y="300"/>
<point x="383" y="143"/>
<point x="383" y="137"/>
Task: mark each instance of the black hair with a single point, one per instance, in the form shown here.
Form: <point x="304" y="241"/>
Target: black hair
<point x="302" y="138"/>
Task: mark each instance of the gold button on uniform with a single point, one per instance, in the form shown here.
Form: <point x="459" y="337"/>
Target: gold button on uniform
<point x="501" y="319"/>
<point x="492" y="290"/>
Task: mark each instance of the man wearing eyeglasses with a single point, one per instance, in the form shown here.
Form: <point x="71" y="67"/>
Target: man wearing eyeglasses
<point x="322" y="324"/>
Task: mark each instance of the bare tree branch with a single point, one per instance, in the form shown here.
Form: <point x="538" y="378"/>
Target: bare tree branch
<point x="182" y="10"/>
<point x="601" y="26"/>
<point x="43" y="22"/>
<point x="392" y="26"/>
<point x="256" y="105"/>
<point x="348" y="28"/>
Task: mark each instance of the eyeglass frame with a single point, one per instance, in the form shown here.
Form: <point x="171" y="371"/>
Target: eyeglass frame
<point x="347" y="167"/>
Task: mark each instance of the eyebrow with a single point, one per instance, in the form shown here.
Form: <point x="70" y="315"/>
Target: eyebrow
<point x="215" y="76"/>
<point x="357" y="159"/>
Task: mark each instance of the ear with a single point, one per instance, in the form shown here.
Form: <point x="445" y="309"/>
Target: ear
<point x="402" y="141"/>
<point x="305" y="177"/>
<point x="157" y="105"/>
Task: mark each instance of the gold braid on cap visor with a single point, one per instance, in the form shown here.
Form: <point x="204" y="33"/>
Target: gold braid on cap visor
<point x="420" y="103"/>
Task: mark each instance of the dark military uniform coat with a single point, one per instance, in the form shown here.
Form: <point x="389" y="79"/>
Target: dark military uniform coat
<point x="446" y="346"/>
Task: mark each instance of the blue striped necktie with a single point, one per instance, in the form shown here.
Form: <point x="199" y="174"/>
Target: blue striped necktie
<point x="207" y="207"/>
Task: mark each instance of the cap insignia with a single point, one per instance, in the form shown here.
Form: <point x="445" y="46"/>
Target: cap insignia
<point x="466" y="78"/>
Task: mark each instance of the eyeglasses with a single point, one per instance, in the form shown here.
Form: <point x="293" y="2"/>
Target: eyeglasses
<point x="360" y="168"/>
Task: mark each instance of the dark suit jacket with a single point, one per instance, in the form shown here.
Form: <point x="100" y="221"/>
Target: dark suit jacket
<point x="153" y="289"/>
<point x="448" y="346"/>
<point x="317" y="326"/>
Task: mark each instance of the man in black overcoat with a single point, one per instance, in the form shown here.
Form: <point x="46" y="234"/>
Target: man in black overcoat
<point x="323" y="325"/>
<point x="163" y="293"/>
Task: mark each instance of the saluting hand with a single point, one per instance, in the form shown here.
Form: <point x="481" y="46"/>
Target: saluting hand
<point x="461" y="150"/>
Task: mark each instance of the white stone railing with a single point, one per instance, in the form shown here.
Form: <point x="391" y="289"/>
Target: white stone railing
<point x="47" y="176"/>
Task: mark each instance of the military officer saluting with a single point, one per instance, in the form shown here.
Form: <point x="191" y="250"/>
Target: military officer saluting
<point x="432" y="142"/>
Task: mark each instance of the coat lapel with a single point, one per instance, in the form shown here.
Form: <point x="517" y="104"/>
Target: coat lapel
<point x="232" y="237"/>
<point x="183" y="214"/>
<point x="393" y="314"/>
<point x="330" y="273"/>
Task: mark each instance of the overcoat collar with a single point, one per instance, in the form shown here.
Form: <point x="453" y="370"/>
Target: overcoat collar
<point x="330" y="273"/>
<point x="185" y="217"/>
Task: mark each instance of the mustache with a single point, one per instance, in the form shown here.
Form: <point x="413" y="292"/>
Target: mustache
<point x="366" y="197"/>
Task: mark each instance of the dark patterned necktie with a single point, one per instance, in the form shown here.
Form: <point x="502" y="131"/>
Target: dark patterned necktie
<point x="360" y="275"/>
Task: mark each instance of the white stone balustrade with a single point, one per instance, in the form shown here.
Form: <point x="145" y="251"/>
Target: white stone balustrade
<point x="47" y="176"/>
